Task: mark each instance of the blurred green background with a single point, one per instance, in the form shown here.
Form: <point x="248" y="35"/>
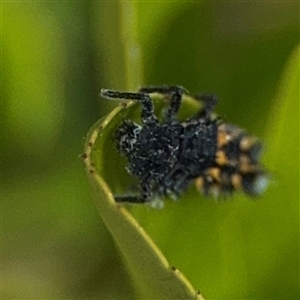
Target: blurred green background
<point x="56" y="56"/>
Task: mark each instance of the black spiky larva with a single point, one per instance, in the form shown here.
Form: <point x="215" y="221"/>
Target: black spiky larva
<point x="166" y="156"/>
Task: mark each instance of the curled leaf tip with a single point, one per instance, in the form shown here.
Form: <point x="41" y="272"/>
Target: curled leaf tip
<point x="105" y="169"/>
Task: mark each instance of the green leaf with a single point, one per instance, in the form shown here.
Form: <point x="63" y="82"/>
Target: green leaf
<point x="284" y="115"/>
<point x="150" y="270"/>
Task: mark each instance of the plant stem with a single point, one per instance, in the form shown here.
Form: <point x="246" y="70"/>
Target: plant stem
<point x="132" y="51"/>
